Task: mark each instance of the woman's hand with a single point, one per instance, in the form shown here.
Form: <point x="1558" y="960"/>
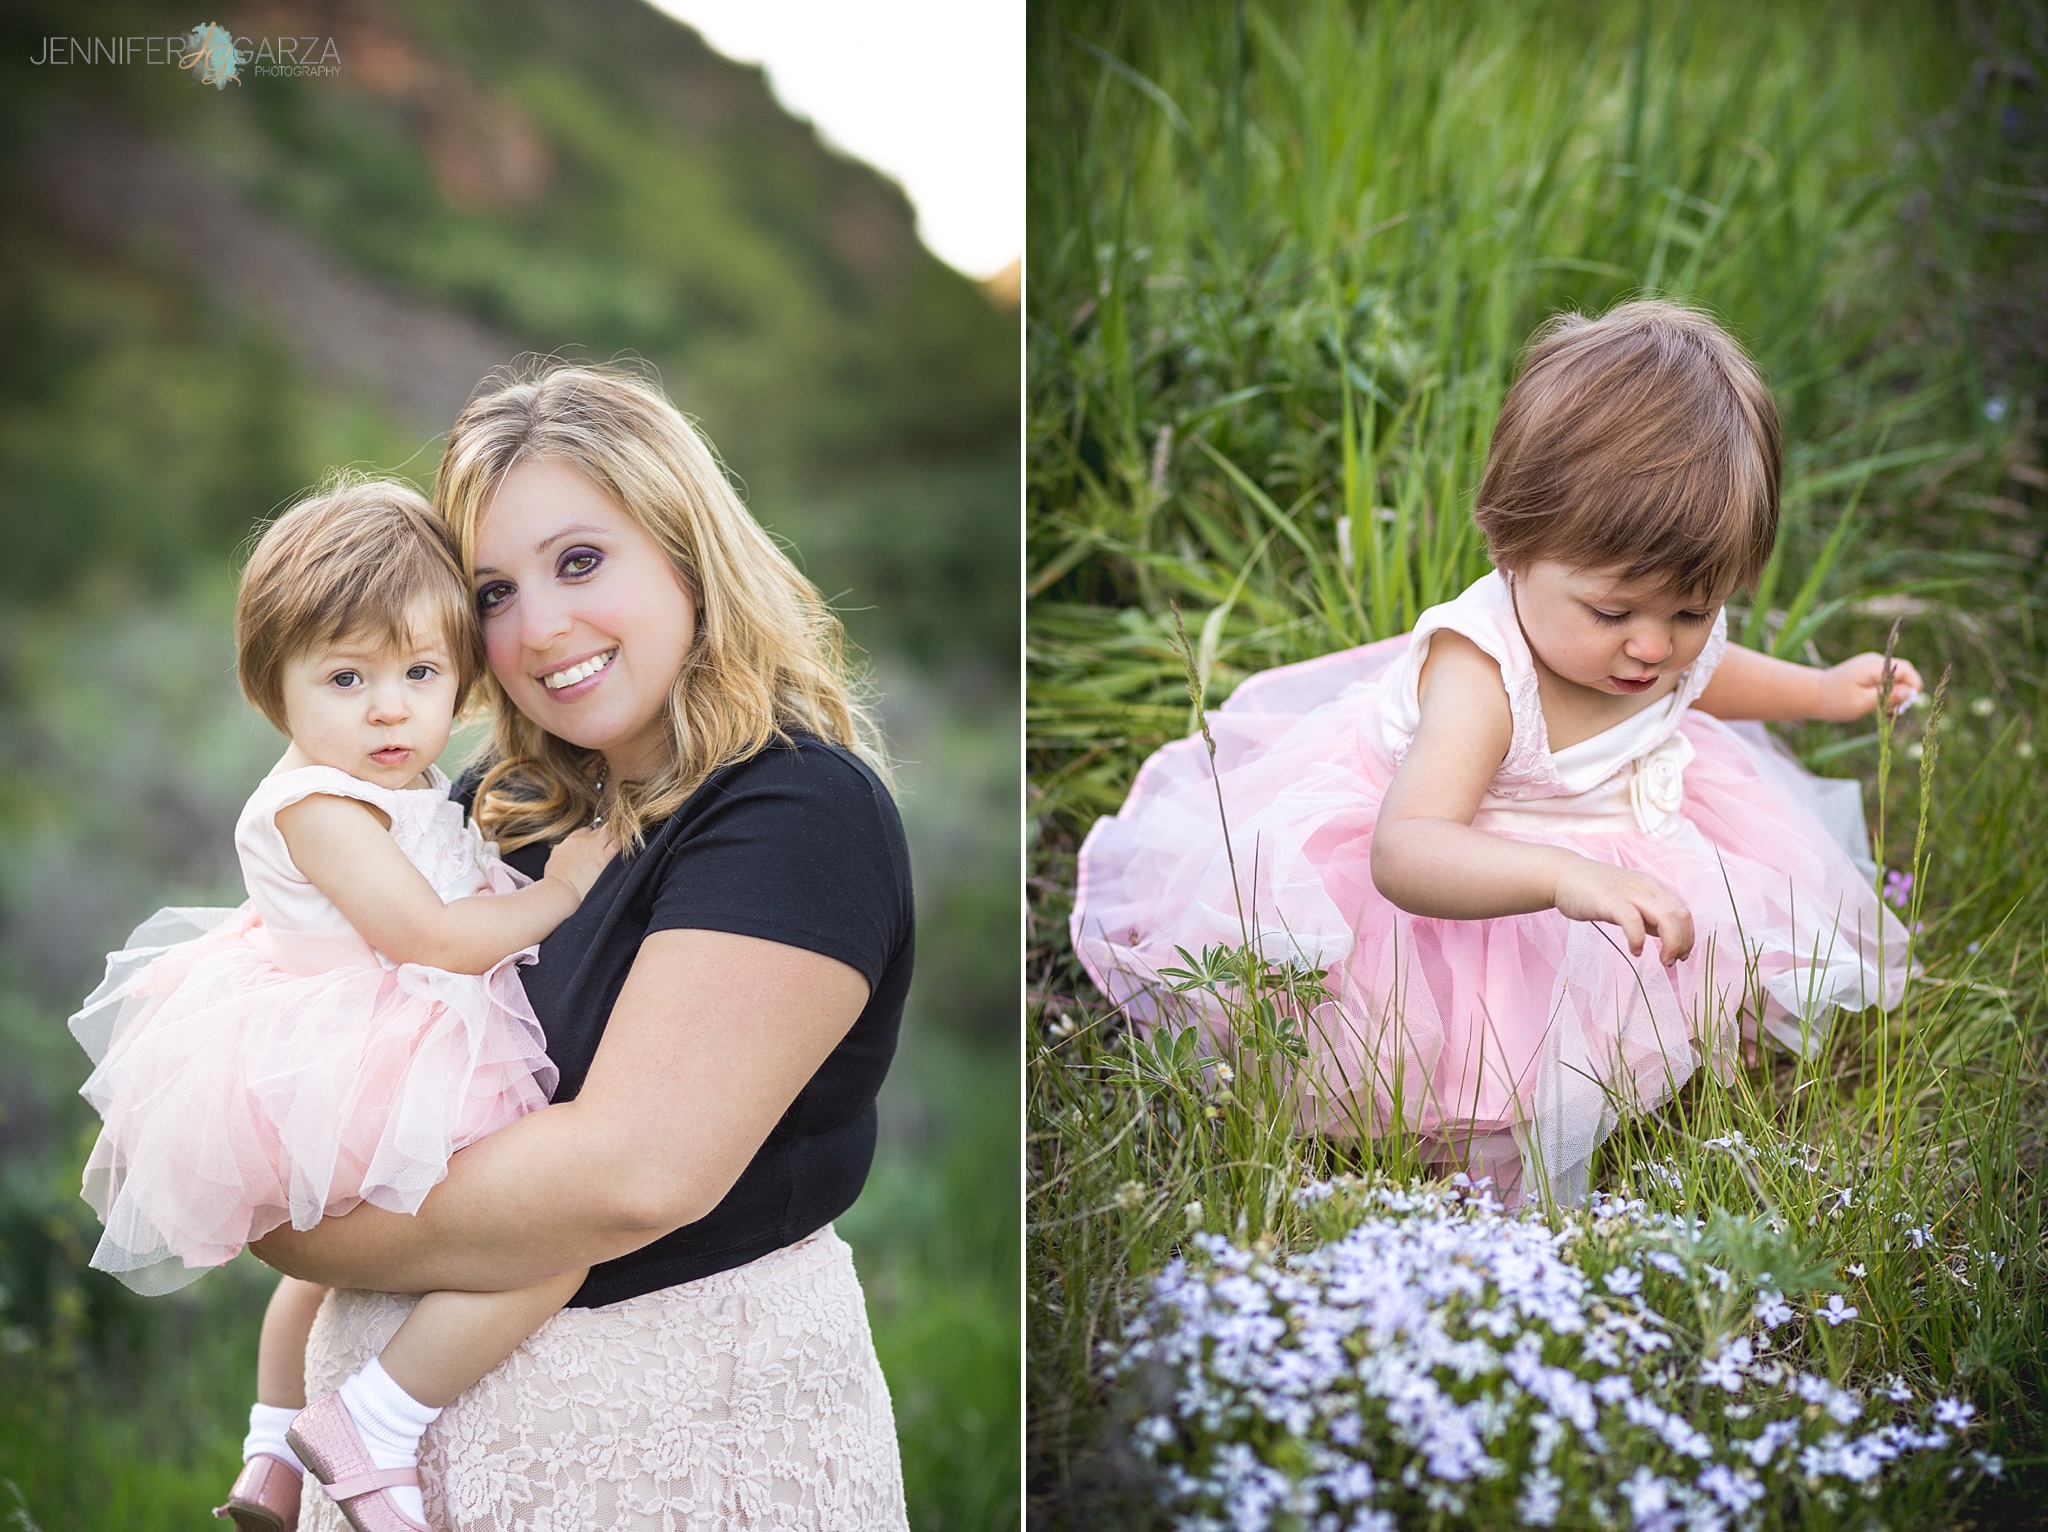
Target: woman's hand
<point x="1850" y="689"/>
<point x="1637" y="902"/>
<point x="581" y="856"/>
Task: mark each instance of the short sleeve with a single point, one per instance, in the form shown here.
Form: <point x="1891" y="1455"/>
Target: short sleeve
<point x="800" y="845"/>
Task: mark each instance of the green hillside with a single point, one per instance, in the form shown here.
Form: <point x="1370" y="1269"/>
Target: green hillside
<point x="589" y="179"/>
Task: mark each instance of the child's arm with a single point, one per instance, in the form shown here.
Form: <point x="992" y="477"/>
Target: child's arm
<point x="1750" y="685"/>
<point x="345" y="849"/>
<point x="1427" y="858"/>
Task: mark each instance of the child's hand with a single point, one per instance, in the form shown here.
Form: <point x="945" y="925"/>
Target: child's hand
<point x="1637" y="902"/>
<point x="581" y="856"/>
<point x="1849" y="690"/>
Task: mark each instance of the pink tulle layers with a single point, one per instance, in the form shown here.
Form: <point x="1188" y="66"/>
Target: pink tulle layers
<point x="1530" y="1025"/>
<point x="250" y="1077"/>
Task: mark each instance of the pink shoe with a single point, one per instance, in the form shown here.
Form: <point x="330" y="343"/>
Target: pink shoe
<point x="325" y="1438"/>
<point x="265" y="1497"/>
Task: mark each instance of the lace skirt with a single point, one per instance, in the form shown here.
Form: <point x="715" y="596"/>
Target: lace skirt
<point x="750" y="1399"/>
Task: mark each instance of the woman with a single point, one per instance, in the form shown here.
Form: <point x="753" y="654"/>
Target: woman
<point x="723" y="1006"/>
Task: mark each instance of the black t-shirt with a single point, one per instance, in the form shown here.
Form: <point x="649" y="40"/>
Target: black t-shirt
<point x="800" y="844"/>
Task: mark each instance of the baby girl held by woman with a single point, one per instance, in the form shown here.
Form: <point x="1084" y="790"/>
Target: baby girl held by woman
<point x="1478" y="829"/>
<point x="338" y="1037"/>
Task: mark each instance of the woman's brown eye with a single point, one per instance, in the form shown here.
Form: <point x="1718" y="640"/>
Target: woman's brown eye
<point x="581" y="562"/>
<point x="492" y="596"/>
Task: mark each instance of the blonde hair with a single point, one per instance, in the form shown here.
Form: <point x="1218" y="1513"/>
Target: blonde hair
<point x="360" y="557"/>
<point x="767" y="656"/>
<point x="1644" y="439"/>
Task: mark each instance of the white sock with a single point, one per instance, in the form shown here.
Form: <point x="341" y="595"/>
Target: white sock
<point x="266" y="1433"/>
<point x="390" y="1422"/>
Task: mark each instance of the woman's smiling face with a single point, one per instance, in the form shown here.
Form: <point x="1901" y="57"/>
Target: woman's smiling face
<point x="585" y="620"/>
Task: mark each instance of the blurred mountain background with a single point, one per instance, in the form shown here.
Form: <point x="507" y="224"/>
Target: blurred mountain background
<point x="208" y="298"/>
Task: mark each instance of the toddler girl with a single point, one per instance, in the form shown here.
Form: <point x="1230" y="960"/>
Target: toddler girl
<point x="335" y="1039"/>
<point x="1476" y="829"/>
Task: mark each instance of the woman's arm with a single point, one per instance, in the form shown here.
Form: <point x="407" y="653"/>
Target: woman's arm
<point x="711" y="1039"/>
<point x="345" y="849"/>
<point x="1750" y="685"/>
<point x="1427" y="858"/>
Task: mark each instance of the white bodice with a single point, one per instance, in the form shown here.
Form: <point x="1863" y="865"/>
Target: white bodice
<point x="1628" y="776"/>
<point x="427" y="824"/>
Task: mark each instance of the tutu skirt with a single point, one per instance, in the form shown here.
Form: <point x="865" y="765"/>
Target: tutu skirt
<point x="1531" y="1028"/>
<point x="249" y="1077"/>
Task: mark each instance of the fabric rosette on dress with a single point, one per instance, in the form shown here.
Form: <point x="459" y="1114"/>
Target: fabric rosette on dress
<point x="1529" y="1029"/>
<point x="264" y="1065"/>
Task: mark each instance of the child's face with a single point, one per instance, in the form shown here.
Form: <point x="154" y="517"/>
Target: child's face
<point x="1597" y="630"/>
<point x="377" y="710"/>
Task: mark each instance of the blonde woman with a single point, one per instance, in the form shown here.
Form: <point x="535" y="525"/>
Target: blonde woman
<point x="722" y="1007"/>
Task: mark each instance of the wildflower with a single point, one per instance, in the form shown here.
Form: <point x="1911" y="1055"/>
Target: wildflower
<point x="1666" y="1262"/>
<point x="1647" y="1494"/>
<point x="1954" y="1412"/>
<point x="1920" y="1237"/>
<point x="1844" y="1195"/>
<point x="1856" y="1269"/>
<point x="1130" y="1196"/>
<point x="1836" y="1313"/>
<point x="1983" y="707"/>
<point x="1771" y="1310"/>
<point x="2025" y="751"/>
<point x="1192" y="1215"/>
<point x="1898" y="888"/>
<point x="1727" y="1368"/>
<point x="1540" y="1500"/>
<point x="1895" y="1390"/>
<point x="1622" y="1281"/>
<point x="1736" y="1490"/>
<point x="1990" y="1462"/>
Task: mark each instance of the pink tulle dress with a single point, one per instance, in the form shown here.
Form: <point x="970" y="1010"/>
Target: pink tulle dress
<point x="1523" y="1035"/>
<point x="264" y="1065"/>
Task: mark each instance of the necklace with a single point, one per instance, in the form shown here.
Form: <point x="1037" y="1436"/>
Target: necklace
<point x="597" y="820"/>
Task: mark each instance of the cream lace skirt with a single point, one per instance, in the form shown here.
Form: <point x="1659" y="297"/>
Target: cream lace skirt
<point x="748" y="1400"/>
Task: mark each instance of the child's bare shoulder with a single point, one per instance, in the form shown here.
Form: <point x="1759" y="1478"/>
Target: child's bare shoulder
<point x="328" y="816"/>
<point x="1458" y="667"/>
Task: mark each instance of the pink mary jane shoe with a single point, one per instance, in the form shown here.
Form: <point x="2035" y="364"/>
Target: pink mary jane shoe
<point x="325" y="1438"/>
<point x="265" y="1497"/>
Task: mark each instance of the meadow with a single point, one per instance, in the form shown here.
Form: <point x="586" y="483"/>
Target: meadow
<point x="1283" y="259"/>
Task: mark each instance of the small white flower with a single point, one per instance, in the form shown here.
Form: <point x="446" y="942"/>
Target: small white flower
<point x="1772" y="1310"/>
<point x="1647" y="1494"/>
<point x="1837" y="1313"/>
<point x="1623" y="1280"/>
<point x="1844" y="1195"/>
<point x="1540" y="1500"/>
<point x="1954" y="1412"/>
<point x="1855" y="1269"/>
<point x="1920" y="1237"/>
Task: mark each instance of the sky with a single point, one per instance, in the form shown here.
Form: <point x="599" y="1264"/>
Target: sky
<point x="929" y="92"/>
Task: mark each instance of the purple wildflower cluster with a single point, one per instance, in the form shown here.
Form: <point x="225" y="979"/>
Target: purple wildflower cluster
<point x="1444" y="1359"/>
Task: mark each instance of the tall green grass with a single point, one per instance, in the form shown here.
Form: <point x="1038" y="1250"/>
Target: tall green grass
<point x="1283" y="260"/>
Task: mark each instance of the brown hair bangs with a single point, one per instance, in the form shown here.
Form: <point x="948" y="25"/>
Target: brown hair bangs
<point x="362" y="556"/>
<point x="1645" y="441"/>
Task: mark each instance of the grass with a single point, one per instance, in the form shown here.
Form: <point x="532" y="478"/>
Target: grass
<point x="1283" y="259"/>
<point x="121" y="1414"/>
<point x="125" y="754"/>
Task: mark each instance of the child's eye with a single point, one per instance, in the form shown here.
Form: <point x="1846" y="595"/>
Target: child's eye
<point x="1695" y="617"/>
<point x="419" y="673"/>
<point x="345" y="679"/>
<point x="579" y="561"/>
<point x="1610" y="618"/>
<point x="492" y="596"/>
